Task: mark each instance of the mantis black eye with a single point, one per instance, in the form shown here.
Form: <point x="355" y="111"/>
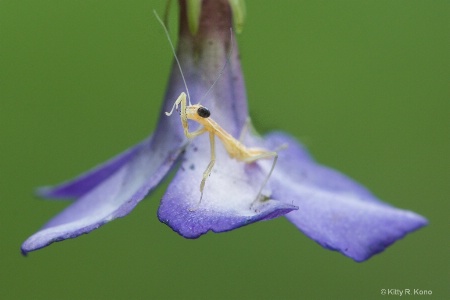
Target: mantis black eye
<point x="203" y="112"/>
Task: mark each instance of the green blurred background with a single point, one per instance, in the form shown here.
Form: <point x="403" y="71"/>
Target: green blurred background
<point x="364" y="84"/>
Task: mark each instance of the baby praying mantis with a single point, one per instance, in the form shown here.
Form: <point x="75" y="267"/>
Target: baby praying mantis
<point x="235" y="148"/>
<point x="201" y="115"/>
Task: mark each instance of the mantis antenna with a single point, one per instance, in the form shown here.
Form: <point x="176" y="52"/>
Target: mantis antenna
<point x="174" y="54"/>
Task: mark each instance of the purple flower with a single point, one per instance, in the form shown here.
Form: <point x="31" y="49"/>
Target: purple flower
<point x="327" y="206"/>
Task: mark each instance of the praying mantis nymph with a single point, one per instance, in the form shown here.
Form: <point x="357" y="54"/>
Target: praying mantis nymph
<point x="201" y="115"/>
<point x="235" y="148"/>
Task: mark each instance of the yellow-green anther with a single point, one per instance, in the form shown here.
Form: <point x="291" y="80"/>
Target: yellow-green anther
<point x="238" y="9"/>
<point x="194" y="8"/>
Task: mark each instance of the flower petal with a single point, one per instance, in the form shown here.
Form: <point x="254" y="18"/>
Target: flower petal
<point x="79" y="186"/>
<point x="228" y="195"/>
<point x="335" y="211"/>
<point x="113" y="197"/>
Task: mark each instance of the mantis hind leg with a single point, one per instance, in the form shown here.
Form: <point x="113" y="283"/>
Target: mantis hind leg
<point x="208" y="170"/>
<point x="261" y="156"/>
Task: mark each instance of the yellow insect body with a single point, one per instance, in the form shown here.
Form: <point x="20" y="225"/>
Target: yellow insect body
<point x="235" y="148"/>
